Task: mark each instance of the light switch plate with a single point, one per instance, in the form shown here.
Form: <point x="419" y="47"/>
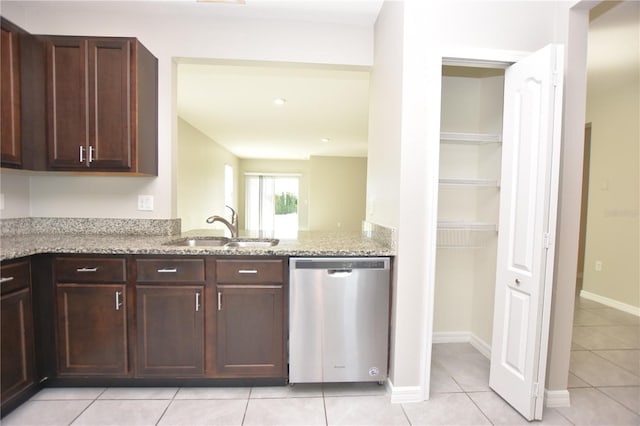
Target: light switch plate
<point x="145" y="202"/>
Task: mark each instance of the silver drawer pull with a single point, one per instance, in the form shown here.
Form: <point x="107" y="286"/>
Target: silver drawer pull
<point x="118" y="301"/>
<point x="87" y="269"/>
<point x="81" y="154"/>
<point x="91" y="149"/>
<point x="5" y="280"/>
<point x="168" y="270"/>
<point x="248" y="271"/>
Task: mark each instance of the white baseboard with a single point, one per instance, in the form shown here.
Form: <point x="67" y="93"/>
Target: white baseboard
<point x="463" y="337"/>
<point x="560" y="398"/>
<point x="451" y="337"/>
<point x="630" y="309"/>
<point x="402" y="394"/>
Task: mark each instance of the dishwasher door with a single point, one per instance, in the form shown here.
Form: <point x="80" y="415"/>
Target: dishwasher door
<point x="338" y="319"/>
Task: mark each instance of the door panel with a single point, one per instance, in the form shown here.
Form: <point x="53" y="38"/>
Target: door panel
<point x="531" y="123"/>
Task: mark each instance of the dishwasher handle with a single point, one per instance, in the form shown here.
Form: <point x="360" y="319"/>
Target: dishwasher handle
<point x="339" y="273"/>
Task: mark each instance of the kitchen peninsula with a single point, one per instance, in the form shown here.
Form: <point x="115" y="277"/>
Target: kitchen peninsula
<point x="122" y="302"/>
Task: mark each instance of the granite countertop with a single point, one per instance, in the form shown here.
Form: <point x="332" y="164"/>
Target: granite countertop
<point x="307" y="243"/>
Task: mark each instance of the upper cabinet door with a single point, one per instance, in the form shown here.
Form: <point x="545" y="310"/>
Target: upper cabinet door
<point x="110" y="101"/>
<point x="67" y="117"/>
<point x="10" y="99"/>
<point x="102" y="105"/>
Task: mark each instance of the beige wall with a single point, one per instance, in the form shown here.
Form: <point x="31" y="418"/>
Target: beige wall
<point x="200" y="178"/>
<point x="338" y="188"/>
<point x="613" y="109"/>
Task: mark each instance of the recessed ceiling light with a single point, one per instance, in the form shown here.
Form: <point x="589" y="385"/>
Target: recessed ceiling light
<point x="279" y="101"/>
<point x="325" y="140"/>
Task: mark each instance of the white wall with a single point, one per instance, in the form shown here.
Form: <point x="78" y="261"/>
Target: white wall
<point x="14" y="187"/>
<point x="613" y="108"/>
<point x="201" y="174"/>
<point x="170" y="30"/>
<point x="431" y="30"/>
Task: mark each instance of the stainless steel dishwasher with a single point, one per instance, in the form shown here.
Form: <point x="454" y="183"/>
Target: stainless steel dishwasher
<point x="338" y="319"/>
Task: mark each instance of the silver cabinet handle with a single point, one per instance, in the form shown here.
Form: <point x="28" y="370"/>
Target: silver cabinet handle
<point x="197" y="301"/>
<point x="81" y="154"/>
<point x="168" y="270"/>
<point x="87" y="269"/>
<point x="219" y="300"/>
<point x="118" y="301"/>
<point x="248" y="271"/>
<point x="5" y="280"/>
<point x="91" y="150"/>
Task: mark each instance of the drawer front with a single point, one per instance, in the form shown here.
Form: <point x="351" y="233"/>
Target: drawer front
<point x="15" y="276"/>
<point x="249" y="271"/>
<point x="91" y="269"/>
<point x="170" y="270"/>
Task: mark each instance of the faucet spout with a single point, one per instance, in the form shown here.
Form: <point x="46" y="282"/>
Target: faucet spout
<point x="232" y="226"/>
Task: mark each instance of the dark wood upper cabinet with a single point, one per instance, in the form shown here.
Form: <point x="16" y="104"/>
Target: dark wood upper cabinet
<point x="17" y="373"/>
<point x="11" y="152"/>
<point x="22" y="103"/>
<point x="101" y="105"/>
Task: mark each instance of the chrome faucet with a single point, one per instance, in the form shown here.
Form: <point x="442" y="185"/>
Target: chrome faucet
<point x="233" y="225"/>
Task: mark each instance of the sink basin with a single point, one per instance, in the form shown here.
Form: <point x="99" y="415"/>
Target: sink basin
<point x="223" y="242"/>
<point x="199" y="242"/>
<point x="251" y="243"/>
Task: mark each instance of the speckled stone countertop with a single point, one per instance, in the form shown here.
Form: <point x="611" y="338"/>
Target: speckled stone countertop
<point x="306" y="244"/>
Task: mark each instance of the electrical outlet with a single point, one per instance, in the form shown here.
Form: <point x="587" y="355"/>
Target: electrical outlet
<point x="145" y="202"/>
<point x="598" y="265"/>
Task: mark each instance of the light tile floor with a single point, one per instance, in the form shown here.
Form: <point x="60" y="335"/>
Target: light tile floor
<point x="604" y="384"/>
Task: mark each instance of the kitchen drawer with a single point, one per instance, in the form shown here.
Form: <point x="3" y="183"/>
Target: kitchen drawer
<point x="91" y="269"/>
<point x="15" y="276"/>
<point x="249" y="271"/>
<point x="170" y="270"/>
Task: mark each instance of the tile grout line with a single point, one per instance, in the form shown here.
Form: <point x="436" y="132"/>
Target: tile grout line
<point x="87" y="407"/>
<point x="246" y="406"/>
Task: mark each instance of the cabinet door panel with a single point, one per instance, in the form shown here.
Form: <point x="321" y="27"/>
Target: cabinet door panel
<point x="109" y="97"/>
<point x="17" y="371"/>
<point x="67" y="102"/>
<point x="10" y="99"/>
<point x="92" y="333"/>
<point x="170" y="330"/>
<point x="250" y="331"/>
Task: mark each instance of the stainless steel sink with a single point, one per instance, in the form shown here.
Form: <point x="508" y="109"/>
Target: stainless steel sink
<point x="251" y="243"/>
<point x="199" y="242"/>
<point x="223" y="242"/>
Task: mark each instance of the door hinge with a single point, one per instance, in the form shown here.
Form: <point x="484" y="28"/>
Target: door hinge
<point x="547" y="240"/>
<point x="538" y="391"/>
<point x="555" y="78"/>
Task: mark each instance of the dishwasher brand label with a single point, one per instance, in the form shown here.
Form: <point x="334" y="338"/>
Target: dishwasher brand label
<point x="373" y="371"/>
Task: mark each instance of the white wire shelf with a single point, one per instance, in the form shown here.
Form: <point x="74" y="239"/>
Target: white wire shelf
<point x="454" y="234"/>
<point x="469" y="138"/>
<point x="490" y="183"/>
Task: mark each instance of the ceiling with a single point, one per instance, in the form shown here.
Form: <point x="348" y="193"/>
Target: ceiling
<point x="232" y="102"/>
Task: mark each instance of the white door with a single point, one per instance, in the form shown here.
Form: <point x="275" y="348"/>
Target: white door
<point x="528" y="200"/>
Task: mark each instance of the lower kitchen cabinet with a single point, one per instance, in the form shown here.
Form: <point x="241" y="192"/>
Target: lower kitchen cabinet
<point x="250" y="317"/>
<point x="91" y="316"/>
<point x="170" y="330"/>
<point x="250" y="332"/>
<point x="91" y="329"/>
<point x="17" y="374"/>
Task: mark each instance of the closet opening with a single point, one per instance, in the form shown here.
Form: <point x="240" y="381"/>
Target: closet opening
<point x="468" y="209"/>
